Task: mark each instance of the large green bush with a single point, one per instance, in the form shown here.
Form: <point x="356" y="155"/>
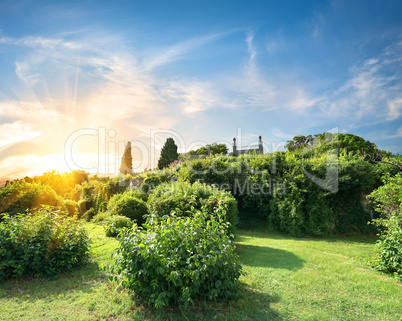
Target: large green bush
<point x="388" y="201"/>
<point x="114" y="224"/>
<point x="42" y="243"/>
<point x="178" y="260"/>
<point x="274" y="188"/>
<point x="128" y="205"/>
<point x="181" y="198"/>
<point x="151" y="179"/>
<point x="20" y="197"/>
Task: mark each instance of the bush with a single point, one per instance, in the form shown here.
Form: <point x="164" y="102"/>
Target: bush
<point x="388" y="201"/>
<point x="21" y="197"/>
<point x="177" y="260"/>
<point x="71" y="206"/>
<point x="114" y="224"/>
<point x="389" y="245"/>
<point x="43" y="243"/>
<point x="88" y="215"/>
<point x="154" y="178"/>
<point x="127" y="205"/>
<point x="181" y="198"/>
<point x="100" y="217"/>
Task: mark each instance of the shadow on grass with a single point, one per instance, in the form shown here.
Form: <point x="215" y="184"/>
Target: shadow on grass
<point x="249" y="305"/>
<point x="265" y="233"/>
<point x="263" y="256"/>
<point x="83" y="279"/>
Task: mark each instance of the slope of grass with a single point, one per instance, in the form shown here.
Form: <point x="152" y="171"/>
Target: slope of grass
<point x="287" y="279"/>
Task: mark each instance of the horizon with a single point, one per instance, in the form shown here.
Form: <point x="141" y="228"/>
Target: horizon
<point x="81" y="79"/>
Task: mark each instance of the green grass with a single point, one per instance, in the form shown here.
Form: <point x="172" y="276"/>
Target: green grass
<point x="287" y="279"/>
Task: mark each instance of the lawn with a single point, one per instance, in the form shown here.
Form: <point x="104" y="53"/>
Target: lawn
<point x="286" y="279"/>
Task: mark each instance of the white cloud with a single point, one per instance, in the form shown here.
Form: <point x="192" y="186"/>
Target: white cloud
<point x="47" y="43"/>
<point x="178" y="50"/>
<point x="372" y="92"/>
<point x="11" y="133"/>
<point x="68" y="85"/>
<point x="394" y="108"/>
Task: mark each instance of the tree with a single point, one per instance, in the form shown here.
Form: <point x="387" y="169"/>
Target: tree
<point x="168" y="153"/>
<point x="216" y="149"/>
<point x="299" y="142"/>
<point x="126" y="166"/>
<point x="210" y="149"/>
<point x="327" y="141"/>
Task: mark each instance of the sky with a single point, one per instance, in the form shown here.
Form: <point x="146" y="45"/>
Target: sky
<point x="79" y="79"/>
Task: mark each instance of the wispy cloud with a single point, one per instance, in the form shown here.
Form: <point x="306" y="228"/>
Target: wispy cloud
<point x="394" y="109"/>
<point x="372" y="91"/>
<point x="12" y="133"/>
<point x="177" y="51"/>
<point x="318" y="21"/>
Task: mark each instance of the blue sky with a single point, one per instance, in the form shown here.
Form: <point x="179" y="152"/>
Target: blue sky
<point x="81" y="78"/>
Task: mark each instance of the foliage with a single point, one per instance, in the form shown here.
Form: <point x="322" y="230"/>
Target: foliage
<point x="154" y="178"/>
<point x="71" y="206"/>
<point x="388" y="198"/>
<point x="115" y="224"/>
<point x="168" y="153"/>
<point x="128" y="205"/>
<point x="329" y="141"/>
<point x="299" y="142"/>
<point x="63" y="184"/>
<point x="45" y="242"/>
<point x="274" y="188"/>
<point x="210" y="149"/>
<point x="20" y="197"/>
<point x="182" y="198"/>
<point x="89" y="214"/>
<point x="388" y="201"/>
<point x="178" y="260"/>
<point x="389" y="245"/>
<point x="308" y="279"/>
<point x="100" y="217"/>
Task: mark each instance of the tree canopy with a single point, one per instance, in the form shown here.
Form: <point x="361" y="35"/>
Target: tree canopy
<point x="326" y="141"/>
<point x="210" y="149"/>
<point x="168" y="153"/>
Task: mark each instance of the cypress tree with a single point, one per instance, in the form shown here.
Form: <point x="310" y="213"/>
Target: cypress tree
<point x="126" y="166"/>
<point x="168" y="153"/>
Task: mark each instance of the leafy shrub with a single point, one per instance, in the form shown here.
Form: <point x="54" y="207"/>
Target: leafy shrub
<point x="42" y="243"/>
<point x="127" y="205"/>
<point x="301" y="207"/>
<point x="20" y="197"/>
<point x="178" y="260"/>
<point x="388" y="201"/>
<point x="88" y="215"/>
<point x="389" y="245"/>
<point x="388" y="198"/>
<point x="114" y="224"/>
<point x="100" y="217"/>
<point x="71" y="206"/>
<point x="138" y="193"/>
<point x="154" y="178"/>
<point x="181" y="198"/>
<point x="86" y="198"/>
<point x="99" y="204"/>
